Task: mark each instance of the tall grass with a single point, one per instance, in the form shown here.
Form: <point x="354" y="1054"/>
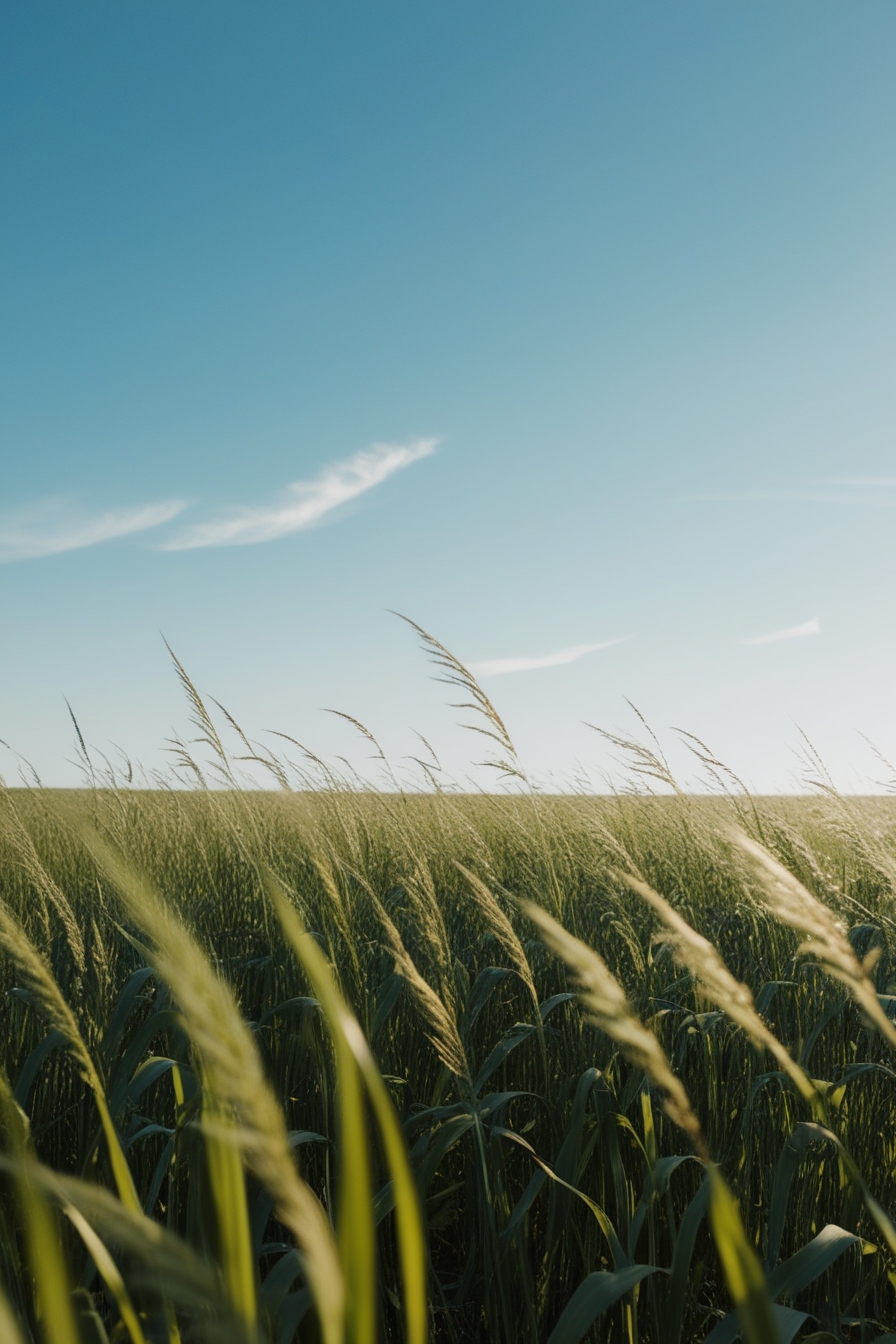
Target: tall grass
<point x="331" y="1064"/>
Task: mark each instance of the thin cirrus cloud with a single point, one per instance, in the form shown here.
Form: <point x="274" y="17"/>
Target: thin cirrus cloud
<point x="497" y="667"/>
<point x="52" y="527"/>
<point x="833" y="490"/>
<point x="839" y="496"/>
<point x="304" y="503"/>
<point x="887" y="482"/>
<point x="812" y="627"/>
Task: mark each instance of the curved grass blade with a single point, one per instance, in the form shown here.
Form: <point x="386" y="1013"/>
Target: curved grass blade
<point x="357" y="1244"/>
<point x="743" y="1272"/>
<point x="228" y="1184"/>
<point x="673" y="1312"/>
<point x="163" y="1262"/>
<point x="620" y="1259"/>
<point x="233" y="1071"/>
<point x="805" y="1132"/>
<point x="595" y="1295"/>
<point x="108" y="1272"/>
<point x="42" y="983"/>
<point x="44" y="1248"/>
<point x="349" y="1041"/>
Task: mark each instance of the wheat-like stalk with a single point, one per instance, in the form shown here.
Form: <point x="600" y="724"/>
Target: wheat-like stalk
<point x="697" y="954"/>
<point x="428" y="913"/>
<point x="500" y="926"/>
<point x="606" y="1003"/>
<point x="202" y="720"/>
<point x="233" y="1069"/>
<point x="39" y="978"/>
<point x="825" y="937"/>
<point x="34" y="870"/>
<point x="454" y="673"/>
<point x="442" y="1028"/>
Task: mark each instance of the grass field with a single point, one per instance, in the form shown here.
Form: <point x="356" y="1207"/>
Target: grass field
<point x="199" y="1145"/>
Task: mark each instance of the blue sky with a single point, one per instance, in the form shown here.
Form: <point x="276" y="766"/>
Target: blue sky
<point x="566" y="330"/>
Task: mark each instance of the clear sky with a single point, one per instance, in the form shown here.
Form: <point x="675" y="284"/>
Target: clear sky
<point x="565" y="329"/>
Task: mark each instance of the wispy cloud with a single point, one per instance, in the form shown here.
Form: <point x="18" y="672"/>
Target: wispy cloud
<point x="833" y="490"/>
<point x="497" y="667"/>
<point x="884" y="481"/>
<point x="304" y="503"/>
<point x="53" y="526"/>
<point x="812" y="627"/>
<point x="789" y="497"/>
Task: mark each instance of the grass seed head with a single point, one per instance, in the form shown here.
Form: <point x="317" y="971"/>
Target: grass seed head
<point x="232" y="1066"/>
<point x="500" y="926"/>
<point x="443" y="1032"/>
<point x="34" y="870"/>
<point x="698" y="955"/>
<point x="607" y="1005"/>
<point x="825" y="935"/>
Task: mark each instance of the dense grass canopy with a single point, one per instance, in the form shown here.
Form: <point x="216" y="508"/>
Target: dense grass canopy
<point x="558" y="1196"/>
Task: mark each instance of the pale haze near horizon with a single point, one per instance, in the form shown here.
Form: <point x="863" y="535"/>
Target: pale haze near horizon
<point x="565" y="332"/>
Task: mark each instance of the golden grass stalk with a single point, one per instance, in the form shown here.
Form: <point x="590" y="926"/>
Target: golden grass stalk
<point x="40" y="879"/>
<point x="607" y="1006"/>
<point x="501" y="927"/>
<point x="233" y="1071"/>
<point x="35" y="969"/>
<point x="430" y="921"/>
<point x="696" y="954"/>
<point x="825" y="937"/>
<point x="454" y="673"/>
<point x="606" y="1003"/>
<point x="442" y="1028"/>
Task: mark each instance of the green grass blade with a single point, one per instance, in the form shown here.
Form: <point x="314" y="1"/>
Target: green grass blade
<point x="44" y="1247"/>
<point x="805" y="1133"/>
<point x="411" y="1236"/>
<point x="592" y="1298"/>
<point x="228" y="1187"/>
<point x="743" y="1272"/>
<point x="121" y="1171"/>
<point x="673" y="1311"/>
<point x="357" y="1243"/>
<point x="46" y="1262"/>
<point x="108" y="1272"/>
<point x="810" y="1260"/>
<point x="163" y="1261"/>
<point x="233" y="1070"/>
<point x="620" y="1259"/>
<point x="348" y="1036"/>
